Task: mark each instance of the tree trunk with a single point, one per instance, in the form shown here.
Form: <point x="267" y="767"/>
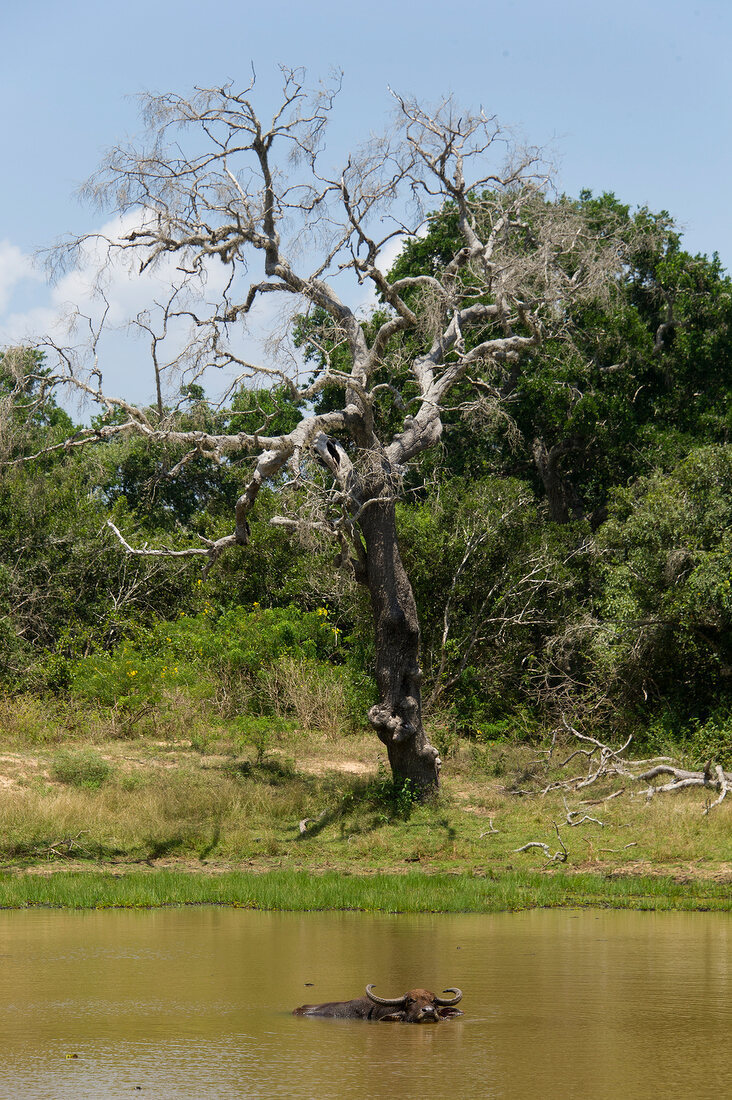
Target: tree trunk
<point x="560" y="493"/>
<point x="397" y="717"/>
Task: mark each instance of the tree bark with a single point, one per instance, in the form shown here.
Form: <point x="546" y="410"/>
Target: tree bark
<point x="560" y="494"/>
<point x="397" y="717"/>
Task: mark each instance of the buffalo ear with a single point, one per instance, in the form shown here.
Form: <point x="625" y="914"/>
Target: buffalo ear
<point x="446" y="1013"/>
<point x="392" y="1018"/>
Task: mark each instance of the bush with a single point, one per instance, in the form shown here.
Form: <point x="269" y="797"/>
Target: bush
<point x="25" y="719"/>
<point x="312" y="693"/>
<point x="712" y="740"/>
<point x="209" y="656"/>
<point x="80" y="768"/>
<point x="667" y="598"/>
<point x="391" y="799"/>
<point x="257" y="733"/>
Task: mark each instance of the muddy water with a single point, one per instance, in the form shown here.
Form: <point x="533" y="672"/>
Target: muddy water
<point x="196" y="1003"/>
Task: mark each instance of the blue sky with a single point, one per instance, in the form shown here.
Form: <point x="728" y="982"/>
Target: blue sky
<point x="633" y="97"/>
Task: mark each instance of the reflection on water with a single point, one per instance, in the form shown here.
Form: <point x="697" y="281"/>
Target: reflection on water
<point x="193" y="1003"/>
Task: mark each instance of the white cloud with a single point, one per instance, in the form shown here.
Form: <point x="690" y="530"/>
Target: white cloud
<point x="15" y="268"/>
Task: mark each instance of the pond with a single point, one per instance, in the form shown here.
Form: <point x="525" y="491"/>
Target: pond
<point x="193" y="1003"/>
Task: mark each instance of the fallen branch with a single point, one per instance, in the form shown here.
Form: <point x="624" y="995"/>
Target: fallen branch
<point x="600" y="801"/>
<point x="303" y="825"/>
<point x="724" y="787"/>
<point x="558" y="857"/>
<point x="682" y="778"/>
<point x="573" y="818"/>
<point x="611" y="764"/>
<point x="66" y="848"/>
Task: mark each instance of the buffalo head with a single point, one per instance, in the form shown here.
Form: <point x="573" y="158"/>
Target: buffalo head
<point x="418" y="1006"/>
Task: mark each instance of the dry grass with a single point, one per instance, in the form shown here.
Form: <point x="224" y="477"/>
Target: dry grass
<point x="167" y="800"/>
<point x="309" y="692"/>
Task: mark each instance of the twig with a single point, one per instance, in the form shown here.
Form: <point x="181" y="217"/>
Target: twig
<point x="599" y="801"/>
<point x="572" y="814"/>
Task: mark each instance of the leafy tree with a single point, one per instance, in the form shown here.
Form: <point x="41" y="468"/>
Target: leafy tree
<point x="641" y="374"/>
<point x="63" y="590"/>
<point x="667" y="592"/>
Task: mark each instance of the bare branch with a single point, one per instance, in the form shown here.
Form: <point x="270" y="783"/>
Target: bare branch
<point x="559" y="856"/>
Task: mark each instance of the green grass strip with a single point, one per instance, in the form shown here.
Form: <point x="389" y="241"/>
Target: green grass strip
<point x="409" y="893"/>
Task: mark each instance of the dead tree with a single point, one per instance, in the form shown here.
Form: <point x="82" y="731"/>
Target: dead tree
<point x="605" y="763"/>
<point x="217" y="184"/>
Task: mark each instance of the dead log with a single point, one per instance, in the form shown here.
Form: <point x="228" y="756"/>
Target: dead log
<point x="611" y="763"/>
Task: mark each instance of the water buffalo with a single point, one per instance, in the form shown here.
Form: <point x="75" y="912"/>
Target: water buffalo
<point x="419" y="1006"/>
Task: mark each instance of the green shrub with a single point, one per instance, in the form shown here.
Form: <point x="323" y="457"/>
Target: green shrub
<point x="391" y="799"/>
<point x="257" y="733"/>
<point x="27" y="720"/>
<point x="80" y="768"/>
<point x="218" y="658"/>
<point x="712" y="740"/>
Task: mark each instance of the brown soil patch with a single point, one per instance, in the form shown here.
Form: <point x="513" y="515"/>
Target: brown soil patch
<point x="679" y="872"/>
<point x="16" y="767"/>
<point x="720" y="873"/>
<point x="347" y="767"/>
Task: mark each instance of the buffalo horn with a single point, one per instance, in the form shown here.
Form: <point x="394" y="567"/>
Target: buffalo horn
<point x="391" y="1001"/>
<point x="452" y="1001"/>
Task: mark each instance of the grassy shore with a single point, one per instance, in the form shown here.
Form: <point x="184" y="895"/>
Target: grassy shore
<point x="413" y="892"/>
<point x="88" y="821"/>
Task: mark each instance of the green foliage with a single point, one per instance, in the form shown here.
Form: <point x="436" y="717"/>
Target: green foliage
<point x="254" y="732"/>
<point x="711" y="740"/>
<point x="486" y="565"/>
<point x="668" y="585"/>
<point x="611" y="397"/>
<point x="259" y="662"/>
<point x="611" y="598"/>
<point x="388" y="799"/>
<point x="174" y="654"/>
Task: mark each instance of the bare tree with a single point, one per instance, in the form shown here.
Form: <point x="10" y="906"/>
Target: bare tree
<point x="216" y="185"/>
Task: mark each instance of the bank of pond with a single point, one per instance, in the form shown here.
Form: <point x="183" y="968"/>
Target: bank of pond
<point x="411" y="892"/>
